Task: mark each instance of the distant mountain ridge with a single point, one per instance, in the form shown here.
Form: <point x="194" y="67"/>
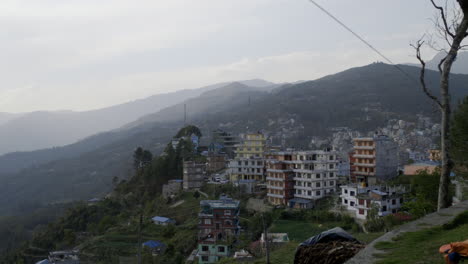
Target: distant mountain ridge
<point x="361" y="98"/>
<point x="42" y="129"/>
<point x="460" y="66"/>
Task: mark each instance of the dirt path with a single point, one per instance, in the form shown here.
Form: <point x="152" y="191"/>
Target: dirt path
<point x="366" y="256"/>
<point x="204" y="194"/>
<point x="177" y="204"/>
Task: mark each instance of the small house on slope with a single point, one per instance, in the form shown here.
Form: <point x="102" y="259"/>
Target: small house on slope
<point x="161" y="220"/>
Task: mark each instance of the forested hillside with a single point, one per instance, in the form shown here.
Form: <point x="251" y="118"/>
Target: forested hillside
<point x="360" y="98"/>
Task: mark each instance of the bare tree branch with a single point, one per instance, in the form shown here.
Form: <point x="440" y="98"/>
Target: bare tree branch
<point x="444" y="19"/>
<point x="422" y="79"/>
<point x="441" y="63"/>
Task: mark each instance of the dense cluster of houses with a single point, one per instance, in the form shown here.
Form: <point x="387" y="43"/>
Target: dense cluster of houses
<point x="287" y="178"/>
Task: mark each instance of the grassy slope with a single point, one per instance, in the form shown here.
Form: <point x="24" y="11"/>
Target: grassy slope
<point x="421" y="246"/>
<point x="122" y="241"/>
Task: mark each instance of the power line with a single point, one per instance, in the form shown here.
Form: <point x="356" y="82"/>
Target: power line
<point x="362" y="40"/>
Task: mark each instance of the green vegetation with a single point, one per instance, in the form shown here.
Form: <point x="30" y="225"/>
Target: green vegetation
<point x="459" y="139"/>
<point x="422" y="199"/>
<point x="189" y="130"/>
<point x="423" y="246"/>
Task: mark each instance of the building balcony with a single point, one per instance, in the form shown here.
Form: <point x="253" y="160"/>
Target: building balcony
<point x="315" y="170"/>
<point x="361" y="206"/>
<point x="307" y="197"/>
<point x="364" y="156"/>
<point x="311" y="179"/>
<point x="363" y="173"/>
<point x="370" y="165"/>
<point x="275" y="187"/>
<point x="364" y="147"/>
<point x="275" y="179"/>
<point x="275" y="195"/>
<point x="279" y="171"/>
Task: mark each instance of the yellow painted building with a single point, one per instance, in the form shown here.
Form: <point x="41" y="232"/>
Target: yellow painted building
<point x="253" y="145"/>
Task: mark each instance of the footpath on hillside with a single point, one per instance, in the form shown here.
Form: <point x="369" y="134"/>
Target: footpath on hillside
<point x="366" y="256"/>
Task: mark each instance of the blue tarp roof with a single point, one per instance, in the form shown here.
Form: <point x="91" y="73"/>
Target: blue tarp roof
<point x="153" y="244"/>
<point x="161" y="219"/>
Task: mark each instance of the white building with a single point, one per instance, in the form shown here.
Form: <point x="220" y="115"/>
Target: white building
<point x="247" y="169"/>
<point x="315" y="173"/>
<point x="360" y="200"/>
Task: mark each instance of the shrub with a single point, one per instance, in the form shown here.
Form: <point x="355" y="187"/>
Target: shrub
<point x="459" y="220"/>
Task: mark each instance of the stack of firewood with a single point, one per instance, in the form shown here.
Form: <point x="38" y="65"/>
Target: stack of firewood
<point x="334" y="252"/>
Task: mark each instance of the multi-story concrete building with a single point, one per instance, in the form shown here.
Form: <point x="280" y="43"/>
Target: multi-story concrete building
<point x="253" y="145"/>
<point x="280" y="183"/>
<point x="215" y="162"/>
<point x="218" y="229"/>
<point x="308" y="175"/>
<point x="375" y="160"/>
<point x="194" y="175"/>
<point x="315" y="173"/>
<point x="360" y="200"/>
<point x="224" y="141"/>
<point x="247" y="169"/>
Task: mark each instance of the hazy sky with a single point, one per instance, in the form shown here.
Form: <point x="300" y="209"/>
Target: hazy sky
<point x="87" y="54"/>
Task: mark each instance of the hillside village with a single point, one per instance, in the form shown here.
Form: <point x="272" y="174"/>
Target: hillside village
<point x="240" y="197"/>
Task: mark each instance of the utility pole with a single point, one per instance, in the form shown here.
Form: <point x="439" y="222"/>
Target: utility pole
<point x="139" y="238"/>
<point x="185" y="114"/>
<point x="265" y="236"/>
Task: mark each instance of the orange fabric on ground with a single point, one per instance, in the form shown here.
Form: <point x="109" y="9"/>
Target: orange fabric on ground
<point x="460" y="247"/>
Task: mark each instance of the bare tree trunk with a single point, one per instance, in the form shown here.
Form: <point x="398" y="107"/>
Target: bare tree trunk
<point x="444" y="200"/>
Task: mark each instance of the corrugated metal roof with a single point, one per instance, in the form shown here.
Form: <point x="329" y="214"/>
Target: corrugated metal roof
<point x="161" y="219"/>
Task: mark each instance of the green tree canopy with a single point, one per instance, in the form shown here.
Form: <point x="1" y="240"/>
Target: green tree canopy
<point x="189" y="130"/>
<point x="460" y="138"/>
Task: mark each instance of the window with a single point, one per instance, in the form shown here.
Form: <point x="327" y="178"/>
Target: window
<point x="207" y="221"/>
<point x="331" y="157"/>
<point x="239" y="163"/>
<point x="384" y="208"/>
<point x="228" y="223"/>
<point x="393" y="201"/>
<point x="346" y="201"/>
<point x="325" y="184"/>
<point x="352" y="193"/>
<point x="332" y="183"/>
<point x="317" y="176"/>
<point x="331" y="166"/>
<point x="221" y="249"/>
<point x="317" y="184"/>
<point x="317" y="193"/>
<point x="401" y="200"/>
<point x="361" y="211"/>
<point x="351" y="203"/>
<point x="332" y="175"/>
<point x="345" y="190"/>
<point x="204" y="248"/>
<point x="204" y="258"/>
<point x="309" y="193"/>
